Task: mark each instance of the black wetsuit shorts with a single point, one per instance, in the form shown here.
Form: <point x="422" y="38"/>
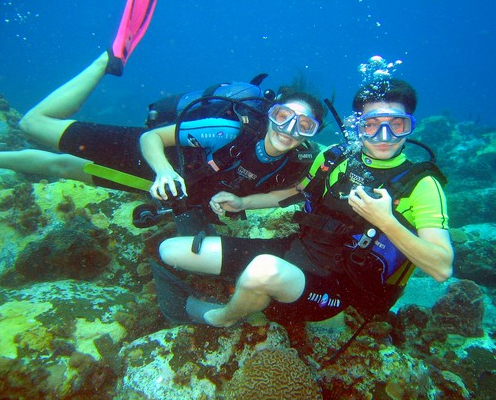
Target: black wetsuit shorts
<point x="115" y="147"/>
<point x="326" y="293"/>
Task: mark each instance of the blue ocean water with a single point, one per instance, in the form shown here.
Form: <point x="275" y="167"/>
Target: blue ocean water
<point x="448" y="50"/>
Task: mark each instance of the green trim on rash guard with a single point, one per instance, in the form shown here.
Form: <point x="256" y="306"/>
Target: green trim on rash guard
<point x="426" y="205"/>
<point x="383" y="164"/>
<point x="319" y="160"/>
<point x="368" y="161"/>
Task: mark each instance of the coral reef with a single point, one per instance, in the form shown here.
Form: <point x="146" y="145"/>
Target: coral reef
<point x="461" y="310"/>
<point x="76" y="250"/>
<point x="476" y="253"/>
<point x="61" y="339"/>
<point x="273" y="374"/>
<point x="191" y="362"/>
<point x="26" y="215"/>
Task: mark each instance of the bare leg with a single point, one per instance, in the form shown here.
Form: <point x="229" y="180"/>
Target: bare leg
<point x="47" y="121"/>
<point x="265" y="279"/>
<point x="177" y="253"/>
<point x="45" y="163"/>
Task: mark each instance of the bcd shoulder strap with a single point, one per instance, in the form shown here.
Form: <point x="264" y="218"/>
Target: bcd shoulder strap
<point x="333" y="156"/>
<point x="403" y="184"/>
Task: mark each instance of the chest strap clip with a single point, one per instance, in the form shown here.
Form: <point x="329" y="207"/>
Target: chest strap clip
<point x="367" y="238"/>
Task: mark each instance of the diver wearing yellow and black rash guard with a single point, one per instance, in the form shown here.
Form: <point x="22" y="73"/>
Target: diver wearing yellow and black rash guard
<point x="330" y="226"/>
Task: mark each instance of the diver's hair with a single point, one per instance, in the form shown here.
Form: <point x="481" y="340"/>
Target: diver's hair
<point x="392" y="91"/>
<point x="287" y="95"/>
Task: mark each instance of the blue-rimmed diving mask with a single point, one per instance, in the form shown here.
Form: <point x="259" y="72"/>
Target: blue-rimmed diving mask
<point x="385" y="125"/>
<point x="285" y="120"/>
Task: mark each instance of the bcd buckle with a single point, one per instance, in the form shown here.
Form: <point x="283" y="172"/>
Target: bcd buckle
<point x="367" y="238"/>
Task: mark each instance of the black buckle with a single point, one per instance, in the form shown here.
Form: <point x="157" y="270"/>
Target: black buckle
<point x="147" y="215"/>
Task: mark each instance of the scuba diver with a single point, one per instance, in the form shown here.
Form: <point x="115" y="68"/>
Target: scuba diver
<point x="370" y="217"/>
<point x="233" y="147"/>
<point x="256" y="151"/>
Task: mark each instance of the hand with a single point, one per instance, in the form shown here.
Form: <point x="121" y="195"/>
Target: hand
<point x="224" y="201"/>
<point x="165" y="185"/>
<point x="376" y="211"/>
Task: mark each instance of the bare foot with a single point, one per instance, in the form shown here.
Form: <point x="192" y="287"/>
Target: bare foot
<point x="216" y="318"/>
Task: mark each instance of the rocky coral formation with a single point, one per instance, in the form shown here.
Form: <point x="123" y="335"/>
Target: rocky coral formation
<point x="462" y="145"/>
<point x="60" y="339"/>
<point x="461" y="310"/>
<point x="76" y="250"/>
<point x="191" y="362"/>
<point x="273" y="374"/>
<point x="476" y="253"/>
<point x="10" y="136"/>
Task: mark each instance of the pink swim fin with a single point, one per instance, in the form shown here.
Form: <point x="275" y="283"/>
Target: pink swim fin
<point x="135" y="20"/>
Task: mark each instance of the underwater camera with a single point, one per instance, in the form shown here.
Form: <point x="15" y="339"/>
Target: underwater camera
<point x="147" y="215"/>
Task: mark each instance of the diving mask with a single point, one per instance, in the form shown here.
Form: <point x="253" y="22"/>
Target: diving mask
<point x="385" y="125"/>
<point x="286" y="121"/>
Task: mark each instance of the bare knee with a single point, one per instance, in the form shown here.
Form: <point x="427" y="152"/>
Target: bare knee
<point x="43" y="128"/>
<point x="262" y="272"/>
<point x="29" y="120"/>
<point x="273" y="276"/>
<point x="67" y="166"/>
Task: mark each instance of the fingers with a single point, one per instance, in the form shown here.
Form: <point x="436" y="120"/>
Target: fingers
<point x="358" y="198"/>
<point x="367" y="194"/>
<point x="356" y="195"/>
<point x="216" y="208"/>
<point x="166" y="186"/>
<point x="375" y="208"/>
<point x="225" y="201"/>
<point x="217" y="200"/>
<point x="222" y="196"/>
<point x="354" y="200"/>
<point x="154" y="191"/>
<point x="183" y="184"/>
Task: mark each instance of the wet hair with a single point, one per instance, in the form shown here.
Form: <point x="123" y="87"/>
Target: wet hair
<point x="392" y="91"/>
<point x="287" y="96"/>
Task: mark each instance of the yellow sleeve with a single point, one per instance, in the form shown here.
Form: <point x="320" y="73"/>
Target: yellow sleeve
<point x="426" y="206"/>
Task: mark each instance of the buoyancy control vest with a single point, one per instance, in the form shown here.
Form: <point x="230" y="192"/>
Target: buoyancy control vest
<point x="248" y="174"/>
<point x="329" y="226"/>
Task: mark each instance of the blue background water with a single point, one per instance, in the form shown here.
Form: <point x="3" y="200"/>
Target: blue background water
<point x="448" y="50"/>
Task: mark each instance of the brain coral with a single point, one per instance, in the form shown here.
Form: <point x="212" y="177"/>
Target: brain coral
<point x="273" y="374"/>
